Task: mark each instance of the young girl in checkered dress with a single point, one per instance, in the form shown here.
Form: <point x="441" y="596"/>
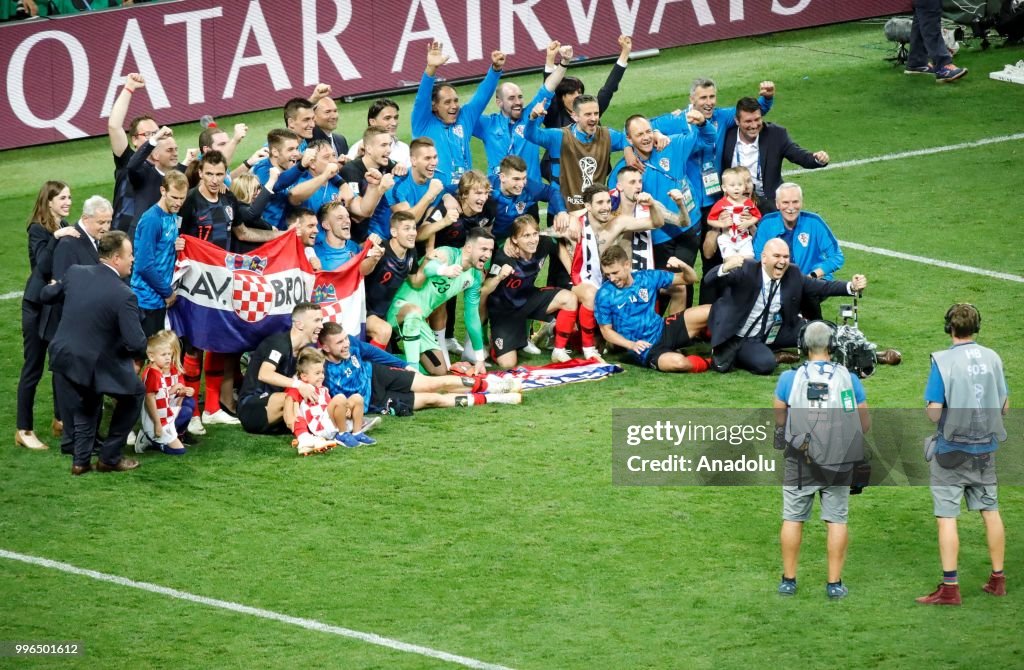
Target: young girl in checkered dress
<point x="169" y="403"/>
<point x="315" y="422"/>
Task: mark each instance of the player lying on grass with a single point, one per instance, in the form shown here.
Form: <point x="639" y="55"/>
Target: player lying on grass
<point x="388" y="386"/>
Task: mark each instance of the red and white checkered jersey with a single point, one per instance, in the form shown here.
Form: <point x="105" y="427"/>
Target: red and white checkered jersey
<point x="312" y="417"/>
<point x="167" y="405"/>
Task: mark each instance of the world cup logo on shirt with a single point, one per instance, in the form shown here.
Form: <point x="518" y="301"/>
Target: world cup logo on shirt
<point x="588" y="167"/>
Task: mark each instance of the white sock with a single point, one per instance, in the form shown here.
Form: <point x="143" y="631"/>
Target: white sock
<point x="439" y="334"/>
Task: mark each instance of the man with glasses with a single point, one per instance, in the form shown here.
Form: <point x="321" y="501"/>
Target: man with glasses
<point x="140" y="129"/>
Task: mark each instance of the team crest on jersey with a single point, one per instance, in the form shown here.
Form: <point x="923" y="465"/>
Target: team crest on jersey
<point x="230" y="212"/>
<point x="251" y="295"/>
<point x="665" y="164"/>
<point x="355" y="362"/>
<point x="804" y="238"/>
<point x="457" y="130"/>
<point x="643" y="294"/>
<point x="519" y="131"/>
<point x="499" y="343"/>
<point x="520" y="207"/>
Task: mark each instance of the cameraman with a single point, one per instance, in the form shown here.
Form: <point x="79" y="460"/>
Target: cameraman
<point x="818" y="385"/>
<point x="967" y="398"/>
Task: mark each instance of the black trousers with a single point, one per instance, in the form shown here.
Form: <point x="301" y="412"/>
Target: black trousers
<point x="84" y="406"/>
<point x="759" y="358"/>
<point x="926" y="43"/>
<point x="34" y="348"/>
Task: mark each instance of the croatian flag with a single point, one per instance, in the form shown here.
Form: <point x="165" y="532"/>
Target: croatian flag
<point x="229" y="302"/>
<point x="535" y="377"/>
<point x="341" y="297"/>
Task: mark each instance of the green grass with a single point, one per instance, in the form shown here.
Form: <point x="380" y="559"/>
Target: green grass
<point x="495" y="532"/>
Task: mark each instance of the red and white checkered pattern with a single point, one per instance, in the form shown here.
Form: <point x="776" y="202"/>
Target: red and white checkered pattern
<point x="332" y="311"/>
<point x="312" y="417"/>
<point x="251" y="296"/>
<point x="167" y="406"/>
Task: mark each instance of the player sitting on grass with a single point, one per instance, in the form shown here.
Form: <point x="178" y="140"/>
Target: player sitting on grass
<point x="315" y="422"/>
<point x="362" y="370"/>
<point x="460" y="270"/>
<point x="624" y="308"/>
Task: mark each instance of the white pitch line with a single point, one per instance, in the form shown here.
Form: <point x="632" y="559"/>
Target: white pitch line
<point x="10" y="296"/>
<point x="909" y="154"/>
<point x="310" y="624"/>
<point x="931" y="261"/>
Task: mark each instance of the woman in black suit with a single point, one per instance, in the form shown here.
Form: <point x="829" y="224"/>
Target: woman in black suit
<point x="46" y="225"/>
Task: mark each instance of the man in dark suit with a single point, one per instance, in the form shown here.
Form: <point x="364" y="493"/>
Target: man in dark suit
<point x="758" y="309"/>
<point x="97" y="215"/>
<point x="92" y="354"/>
<point x="325" y="116"/>
<point x="760" y="147"/>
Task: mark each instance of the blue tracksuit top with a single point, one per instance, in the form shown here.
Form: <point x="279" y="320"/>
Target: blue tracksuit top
<point x="812" y="245"/>
<point x="451" y="140"/>
<point x="721" y="120"/>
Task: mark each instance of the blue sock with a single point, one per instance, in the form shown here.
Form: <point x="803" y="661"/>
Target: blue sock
<point x="949" y="577"/>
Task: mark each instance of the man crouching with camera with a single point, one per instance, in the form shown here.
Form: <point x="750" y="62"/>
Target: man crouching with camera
<point x="967" y="398"/>
<point x="821" y="416"/>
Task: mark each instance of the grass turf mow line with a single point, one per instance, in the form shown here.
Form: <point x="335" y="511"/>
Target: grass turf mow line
<point x="907" y="154"/>
<point x="931" y="261"/>
<point x="309" y="624"/>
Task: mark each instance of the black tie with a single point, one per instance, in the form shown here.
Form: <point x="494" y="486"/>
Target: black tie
<point x="760" y="323"/>
<point x="767" y="307"/>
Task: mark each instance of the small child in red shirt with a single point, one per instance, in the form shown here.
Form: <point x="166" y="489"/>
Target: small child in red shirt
<point x="315" y="421"/>
<point x="169" y="403"/>
<point x="735" y="215"/>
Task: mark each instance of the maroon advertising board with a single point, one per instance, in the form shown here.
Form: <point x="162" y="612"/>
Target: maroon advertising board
<point x="61" y="74"/>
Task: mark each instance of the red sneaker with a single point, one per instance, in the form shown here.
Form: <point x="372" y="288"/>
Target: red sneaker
<point x="996" y="585"/>
<point x="946" y="594"/>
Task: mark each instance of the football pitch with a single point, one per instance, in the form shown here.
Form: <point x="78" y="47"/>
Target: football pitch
<point x="494" y="537"/>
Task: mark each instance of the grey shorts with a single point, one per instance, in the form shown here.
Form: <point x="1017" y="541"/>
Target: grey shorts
<point x="950" y="486"/>
<point x="797" y="503"/>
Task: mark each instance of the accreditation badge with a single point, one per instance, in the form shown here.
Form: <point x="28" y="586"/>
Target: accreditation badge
<point x="709" y="175"/>
<point x="684" y="188"/>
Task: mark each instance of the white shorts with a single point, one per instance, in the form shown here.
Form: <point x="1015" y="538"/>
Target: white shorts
<point x="743" y="246"/>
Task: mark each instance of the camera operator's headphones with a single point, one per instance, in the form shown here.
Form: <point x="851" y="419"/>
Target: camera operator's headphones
<point x="948" y="325"/>
<point x="801" y="345"/>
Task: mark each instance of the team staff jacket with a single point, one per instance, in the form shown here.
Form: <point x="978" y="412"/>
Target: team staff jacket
<point x="504" y="137"/>
<point x="665" y="170"/>
<point x="811" y="243"/>
<point x="451" y="140"/>
<point x="722" y="119"/>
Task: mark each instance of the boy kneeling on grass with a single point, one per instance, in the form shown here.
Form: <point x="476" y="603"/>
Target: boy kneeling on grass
<point x="315" y="423"/>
